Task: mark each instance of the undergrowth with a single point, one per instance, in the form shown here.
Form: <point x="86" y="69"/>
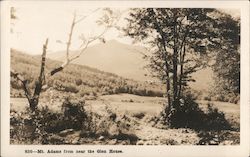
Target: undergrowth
<point x="44" y="126"/>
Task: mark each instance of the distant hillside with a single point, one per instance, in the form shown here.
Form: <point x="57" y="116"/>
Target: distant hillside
<point x="203" y="80"/>
<point x="126" y="60"/>
<point x="78" y="79"/>
<point x="112" y="56"/>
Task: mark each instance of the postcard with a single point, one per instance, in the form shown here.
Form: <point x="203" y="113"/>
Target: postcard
<point x="125" y="78"/>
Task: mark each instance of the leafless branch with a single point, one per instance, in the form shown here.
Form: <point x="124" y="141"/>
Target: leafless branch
<point x="24" y="82"/>
<point x="84" y="17"/>
<point x="87" y="44"/>
<point x="84" y="45"/>
<point x="70" y="37"/>
<point x="33" y="99"/>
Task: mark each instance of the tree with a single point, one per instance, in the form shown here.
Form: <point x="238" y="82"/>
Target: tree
<point x="227" y="59"/>
<point x="180" y="40"/>
<point x="40" y="85"/>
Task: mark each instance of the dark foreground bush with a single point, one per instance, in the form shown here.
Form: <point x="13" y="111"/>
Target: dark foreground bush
<point x="74" y="113"/>
<point x="30" y="126"/>
<point x="73" y="116"/>
<point x="187" y="114"/>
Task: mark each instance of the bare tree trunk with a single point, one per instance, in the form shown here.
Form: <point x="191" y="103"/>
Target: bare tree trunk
<point x="33" y="99"/>
<point x="39" y="83"/>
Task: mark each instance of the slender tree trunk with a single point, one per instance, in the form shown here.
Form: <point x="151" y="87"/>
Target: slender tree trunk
<point x="175" y="64"/>
<point x="182" y="54"/>
<point x="168" y="105"/>
<point x="182" y="58"/>
<point x="167" y="108"/>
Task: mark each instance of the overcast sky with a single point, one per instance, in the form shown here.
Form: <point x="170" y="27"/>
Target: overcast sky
<point x="36" y="23"/>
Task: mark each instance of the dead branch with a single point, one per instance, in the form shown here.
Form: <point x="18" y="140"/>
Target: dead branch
<point x="24" y="82"/>
<point x="34" y="99"/>
<point x="86" y="16"/>
<point x="84" y="45"/>
<point x="70" y="36"/>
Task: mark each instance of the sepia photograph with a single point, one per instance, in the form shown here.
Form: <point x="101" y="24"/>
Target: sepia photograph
<point x="100" y="75"/>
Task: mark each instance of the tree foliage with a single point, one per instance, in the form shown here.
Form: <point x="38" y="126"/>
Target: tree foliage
<point x="181" y="41"/>
<point x="227" y="60"/>
<point x="170" y="32"/>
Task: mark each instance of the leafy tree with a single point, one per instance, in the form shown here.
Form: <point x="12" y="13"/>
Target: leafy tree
<point x="227" y="59"/>
<point x="180" y="40"/>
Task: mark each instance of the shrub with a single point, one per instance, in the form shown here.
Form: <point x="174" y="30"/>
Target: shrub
<point x="78" y="82"/>
<point x="28" y="127"/>
<point x="215" y="120"/>
<point x="187" y="114"/>
<point x="138" y="115"/>
<point x="74" y="114"/>
<point x="46" y="120"/>
<point x="36" y="127"/>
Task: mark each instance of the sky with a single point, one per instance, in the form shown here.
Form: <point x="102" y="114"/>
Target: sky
<point x="36" y="23"/>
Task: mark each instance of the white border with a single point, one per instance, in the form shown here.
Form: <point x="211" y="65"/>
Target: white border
<point x="137" y="151"/>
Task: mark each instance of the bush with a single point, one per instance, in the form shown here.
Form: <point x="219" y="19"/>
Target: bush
<point x="187" y="114"/>
<point x="78" y="82"/>
<point x="36" y="127"/>
<point x="138" y="115"/>
<point x="215" y="120"/>
<point x="29" y="127"/>
<point x="74" y="114"/>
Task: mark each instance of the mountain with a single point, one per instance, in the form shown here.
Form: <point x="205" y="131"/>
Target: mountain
<point x="203" y="80"/>
<point x="112" y="56"/>
<point x="127" y="61"/>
